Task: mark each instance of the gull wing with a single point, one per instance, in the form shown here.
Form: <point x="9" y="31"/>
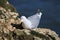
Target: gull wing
<point x="26" y="23"/>
<point x="35" y="19"/>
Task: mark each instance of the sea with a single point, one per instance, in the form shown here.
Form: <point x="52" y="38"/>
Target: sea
<point x="50" y="8"/>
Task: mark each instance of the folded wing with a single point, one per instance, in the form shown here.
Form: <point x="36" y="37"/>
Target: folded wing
<point x="35" y="19"/>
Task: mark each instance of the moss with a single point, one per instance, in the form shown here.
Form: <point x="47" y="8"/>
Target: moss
<point x="7" y="6"/>
<point x="11" y="7"/>
<point x="40" y="35"/>
<point x="19" y="32"/>
<point x="26" y="37"/>
<point x="3" y="2"/>
<point x="21" y="35"/>
<point x="0" y="12"/>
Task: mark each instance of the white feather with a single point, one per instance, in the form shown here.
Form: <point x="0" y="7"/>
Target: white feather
<point x="26" y="22"/>
<point x="35" y="19"/>
<point x="32" y="21"/>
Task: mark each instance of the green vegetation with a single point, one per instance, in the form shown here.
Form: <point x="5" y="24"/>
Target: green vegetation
<point x="11" y="7"/>
<point x="3" y="3"/>
<point x="40" y="35"/>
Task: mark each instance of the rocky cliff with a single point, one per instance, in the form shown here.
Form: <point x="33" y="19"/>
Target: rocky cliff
<point x="10" y="26"/>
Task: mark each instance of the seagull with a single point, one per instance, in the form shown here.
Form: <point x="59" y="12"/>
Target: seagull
<point x="32" y="21"/>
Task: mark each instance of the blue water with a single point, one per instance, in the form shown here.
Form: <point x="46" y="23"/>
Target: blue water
<point x="50" y="9"/>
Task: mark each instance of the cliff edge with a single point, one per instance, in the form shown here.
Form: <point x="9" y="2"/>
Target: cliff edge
<point x="10" y="25"/>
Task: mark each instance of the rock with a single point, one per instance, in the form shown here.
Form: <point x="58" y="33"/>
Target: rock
<point x="27" y="34"/>
<point x="42" y="34"/>
<point x="8" y="17"/>
<point x="9" y="21"/>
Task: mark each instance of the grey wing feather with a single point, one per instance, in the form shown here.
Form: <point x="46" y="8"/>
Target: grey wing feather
<point x="34" y="20"/>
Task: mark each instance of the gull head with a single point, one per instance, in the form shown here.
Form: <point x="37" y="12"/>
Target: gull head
<point x="39" y="14"/>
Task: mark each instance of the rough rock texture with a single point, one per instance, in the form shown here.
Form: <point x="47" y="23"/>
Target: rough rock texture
<point x="10" y="26"/>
